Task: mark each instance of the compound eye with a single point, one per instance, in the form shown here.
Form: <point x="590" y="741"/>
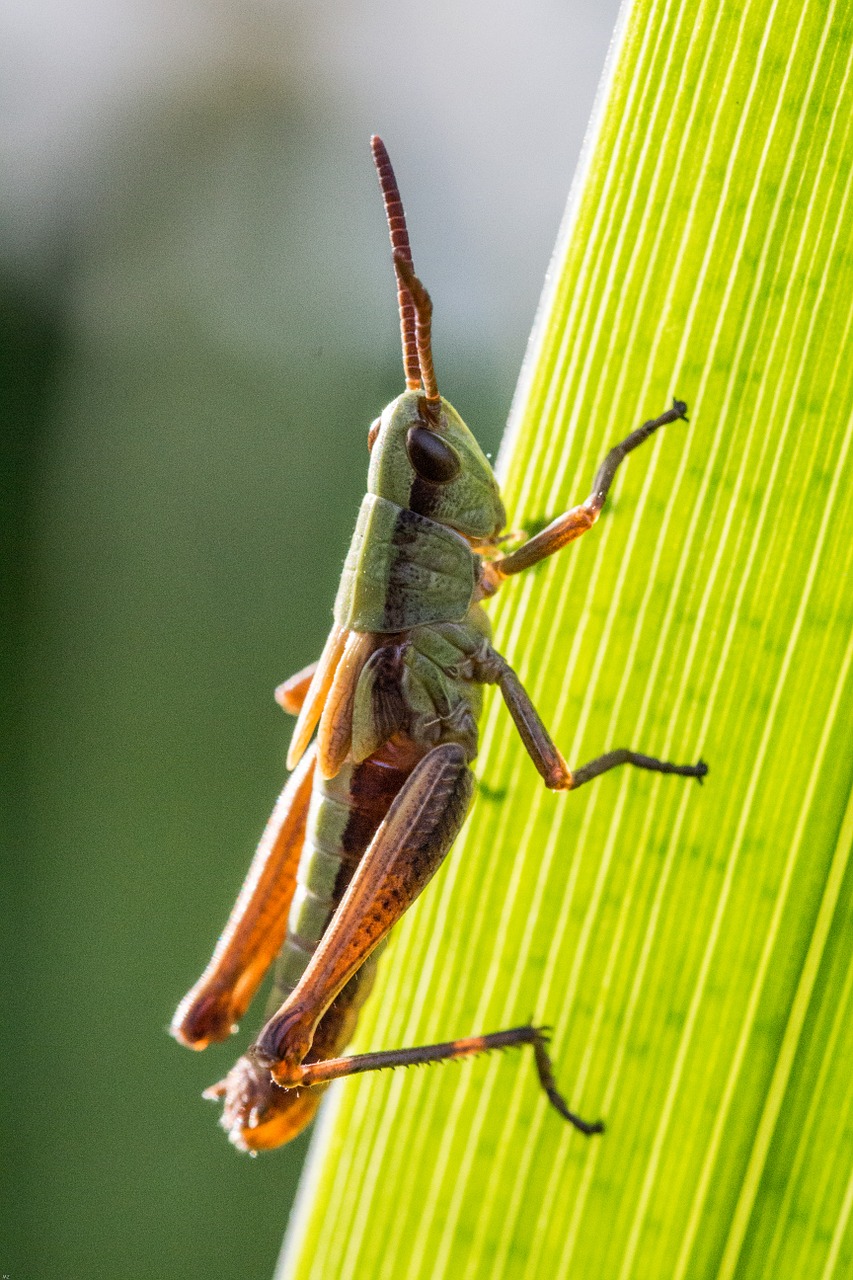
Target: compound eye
<point x="373" y="433"/>
<point x="432" y="458"/>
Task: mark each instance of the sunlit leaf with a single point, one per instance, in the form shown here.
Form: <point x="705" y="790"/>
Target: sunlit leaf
<point x="690" y="946"/>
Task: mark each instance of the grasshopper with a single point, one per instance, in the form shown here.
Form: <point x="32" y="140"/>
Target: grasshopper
<point x="373" y="806"/>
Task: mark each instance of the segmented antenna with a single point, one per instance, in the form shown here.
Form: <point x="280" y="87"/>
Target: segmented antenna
<point x="412" y="298"/>
<point x="423" y="330"/>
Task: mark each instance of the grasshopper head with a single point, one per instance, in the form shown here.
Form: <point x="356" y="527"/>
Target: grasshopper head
<point x="423" y="457"/>
<point x="429" y="461"/>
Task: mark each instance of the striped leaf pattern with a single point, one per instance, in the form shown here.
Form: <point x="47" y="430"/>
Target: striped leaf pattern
<point x="691" y="946"/>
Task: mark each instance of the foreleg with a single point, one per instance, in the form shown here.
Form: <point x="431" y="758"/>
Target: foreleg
<point x="573" y="524"/>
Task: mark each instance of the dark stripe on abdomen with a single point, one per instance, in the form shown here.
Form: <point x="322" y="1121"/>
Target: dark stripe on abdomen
<point x="345" y="812"/>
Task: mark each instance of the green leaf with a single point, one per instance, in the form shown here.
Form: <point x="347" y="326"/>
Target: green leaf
<point x="690" y="946"/>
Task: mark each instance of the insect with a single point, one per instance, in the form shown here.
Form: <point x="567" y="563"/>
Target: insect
<point x="373" y="806"/>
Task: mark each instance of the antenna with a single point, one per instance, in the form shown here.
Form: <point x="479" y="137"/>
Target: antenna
<point x="412" y="298"/>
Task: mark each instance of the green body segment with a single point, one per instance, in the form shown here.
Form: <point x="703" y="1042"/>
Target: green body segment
<point x="420" y="685"/>
<point x="319" y="878"/>
<point x="342" y="820"/>
<point x="403" y="570"/>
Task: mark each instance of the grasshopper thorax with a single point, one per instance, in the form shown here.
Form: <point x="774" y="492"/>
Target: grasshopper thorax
<point x="429" y="462"/>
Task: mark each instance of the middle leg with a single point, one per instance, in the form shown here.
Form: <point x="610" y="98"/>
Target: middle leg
<point x="492" y="668"/>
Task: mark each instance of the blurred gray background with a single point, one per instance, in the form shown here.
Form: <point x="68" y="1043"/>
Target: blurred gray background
<point x="199" y="325"/>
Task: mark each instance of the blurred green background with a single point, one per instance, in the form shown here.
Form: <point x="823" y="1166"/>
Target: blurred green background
<point x="198" y="327"/>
